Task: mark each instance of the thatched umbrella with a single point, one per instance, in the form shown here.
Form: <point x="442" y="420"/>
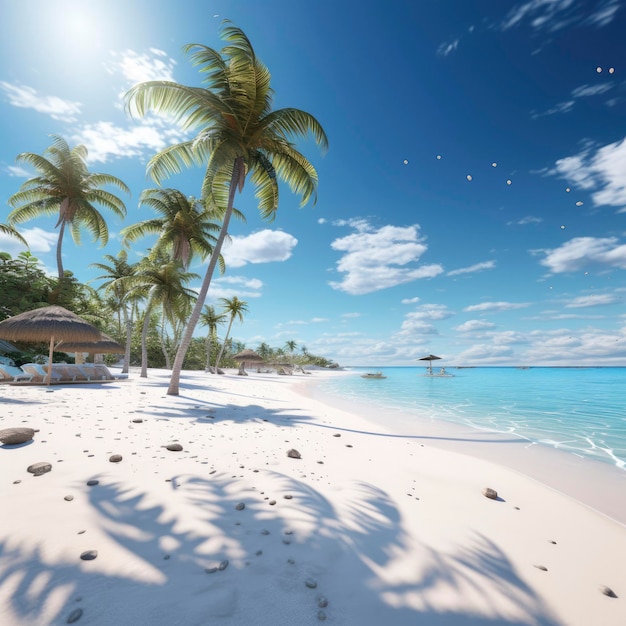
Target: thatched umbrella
<point x="104" y="345"/>
<point x="49" y="324"/>
<point x="430" y="358"/>
<point x="247" y="356"/>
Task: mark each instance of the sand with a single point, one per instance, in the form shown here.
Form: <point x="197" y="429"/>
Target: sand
<point x="363" y="529"/>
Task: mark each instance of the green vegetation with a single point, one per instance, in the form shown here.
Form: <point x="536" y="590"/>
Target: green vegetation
<point x="148" y="306"/>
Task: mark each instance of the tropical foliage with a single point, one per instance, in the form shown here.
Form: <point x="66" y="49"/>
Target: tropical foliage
<point x="64" y="186"/>
<point x="238" y="136"/>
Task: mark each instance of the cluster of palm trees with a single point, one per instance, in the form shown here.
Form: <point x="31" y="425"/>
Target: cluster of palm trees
<point x="239" y="136"/>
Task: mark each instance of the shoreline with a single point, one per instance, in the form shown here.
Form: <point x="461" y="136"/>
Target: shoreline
<point x="568" y="473"/>
<point x="358" y="528"/>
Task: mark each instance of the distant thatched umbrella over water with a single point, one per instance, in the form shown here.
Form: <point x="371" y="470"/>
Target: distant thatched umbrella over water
<point x="104" y="345"/>
<point x="49" y="324"/>
<point x="430" y="358"/>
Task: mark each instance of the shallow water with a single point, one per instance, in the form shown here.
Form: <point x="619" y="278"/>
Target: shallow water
<point x="579" y="410"/>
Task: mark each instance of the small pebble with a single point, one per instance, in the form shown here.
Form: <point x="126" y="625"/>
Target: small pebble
<point x="223" y="565"/>
<point x="607" y="591"/>
<point x="321" y="616"/>
<point x="272" y="502"/>
<point x="490" y="493"/>
<point x="39" y="468"/>
<point x="294" y="454"/>
<point x="74" y="616"/>
<point x="68" y="498"/>
<point x="174" y="447"/>
<point x="310" y="583"/>
<point x="240" y="506"/>
<point x="543" y="568"/>
<point x="89" y="555"/>
<point x="115" y="458"/>
<point x="288" y="497"/>
<point x="93" y="482"/>
<point x="322" y="602"/>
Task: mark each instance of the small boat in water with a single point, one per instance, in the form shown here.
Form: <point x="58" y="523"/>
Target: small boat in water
<point x="373" y="375"/>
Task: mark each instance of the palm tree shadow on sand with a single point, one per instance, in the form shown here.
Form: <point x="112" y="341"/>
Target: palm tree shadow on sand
<point x="188" y="554"/>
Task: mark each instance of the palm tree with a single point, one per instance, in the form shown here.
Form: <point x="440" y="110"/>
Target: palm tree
<point x="5" y="229"/>
<point x="264" y="350"/>
<point x="211" y="318"/>
<point x="291" y="346"/>
<point x="163" y="285"/>
<point x="185" y="227"/>
<point x="118" y="269"/>
<point x="66" y="187"/>
<point x="239" y="135"/>
<point x="235" y="308"/>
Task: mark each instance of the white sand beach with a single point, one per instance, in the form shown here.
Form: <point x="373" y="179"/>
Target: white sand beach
<point x="364" y="529"/>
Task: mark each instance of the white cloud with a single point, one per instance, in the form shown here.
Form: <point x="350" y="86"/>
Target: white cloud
<point x="603" y="171"/>
<point x="554" y="15"/>
<point x="229" y="286"/>
<point x="473" y="326"/>
<point x="321" y="220"/>
<point x="496" y="307"/>
<point x="447" y="48"/>
<point x="419" y="322"/>
<point x="410" y="300"/>
<point x="39" y="240"/>
<point x="106" y="141"/>
<point x="477" y="267"/>
<point x="375" y="259"/>
<point x="592" y="300"/>
<point x="581" y="252"/>
<point x="529" y="219"/>
<point x="138" y="67"/>
<point x="561" y="107"/>
<point x="17" y="171"/>
<point x="351" y="315"/>
<point x="264" y="246"/>
<point x="590" y="90"/>
<point x="27" y="98"/>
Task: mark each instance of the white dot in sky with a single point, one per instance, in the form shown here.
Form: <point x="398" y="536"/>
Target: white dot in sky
<point x="567" y="189"/>
<point x="469" y="177"/>
<point x="494" y="165"/>
<point x="579" y="203"/>
<point x="438" y="157"/>
<point x="611" y="70"/>
<point x="508" y="182"/>
<point x="562" y="227"/>
<point x="599" y="70"/>
<point x="406" y="162"/>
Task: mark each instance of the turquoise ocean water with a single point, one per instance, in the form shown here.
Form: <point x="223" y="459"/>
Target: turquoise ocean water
<point x="579" y="410"/>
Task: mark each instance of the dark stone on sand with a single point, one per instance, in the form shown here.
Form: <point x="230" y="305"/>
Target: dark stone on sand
<point x="137" y="420"/>
<point x="68" y="498"/>
<point x="294" y="454"/>
<point x="93" y="482"/>
<point x="310" y="583"/>
<point x="17" y="482"/>
<point x="490" y="493"/>
<point x="39" y="468"/>
<point x="240" y="506"/>
<point x="115" y="458"/>
<point x="337" y="435"/>
<point x="74" y="616"/>
<point x="607" y="591"/>
<point x="174" y="447"/>
<point x="272" y="502"/>
<point x="322" y="602"/>
<point x="543" y="568"/>
<point x="13" y="436"/>
<point x="89" y="555"/>
<point x="321" y="616"/>
<point x="288" y="497"/>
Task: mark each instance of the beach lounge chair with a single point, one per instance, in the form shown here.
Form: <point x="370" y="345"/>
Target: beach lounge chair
<point x="12" y="374"/>
<point x="39" y="373"/>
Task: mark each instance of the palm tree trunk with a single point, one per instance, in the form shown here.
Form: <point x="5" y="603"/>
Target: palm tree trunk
<point x="237" y="175"/>
<point x="163" y="346"/>
<point x="129" y="333"/>
<point x="56" y="292"/>
<point x="144" y="342"/>
<point x="207" y="365"/>
<point x="219" y="356"/>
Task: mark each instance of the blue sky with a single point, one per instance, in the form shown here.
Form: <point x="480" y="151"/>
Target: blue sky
<point x="472" y="203"/>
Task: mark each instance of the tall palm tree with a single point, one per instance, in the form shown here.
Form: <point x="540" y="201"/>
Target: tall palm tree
<point x="234" y="308"/>
<point x="211" y="318"/>
<point x="119" y="268"/>
<point x="66" y="187"/>
<point x="290" y="346"/>
<point x="184" y="226"/>
<point x="238" y="135"/>
<point x="5" y="229"/>
<point x="163" y="285"/>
